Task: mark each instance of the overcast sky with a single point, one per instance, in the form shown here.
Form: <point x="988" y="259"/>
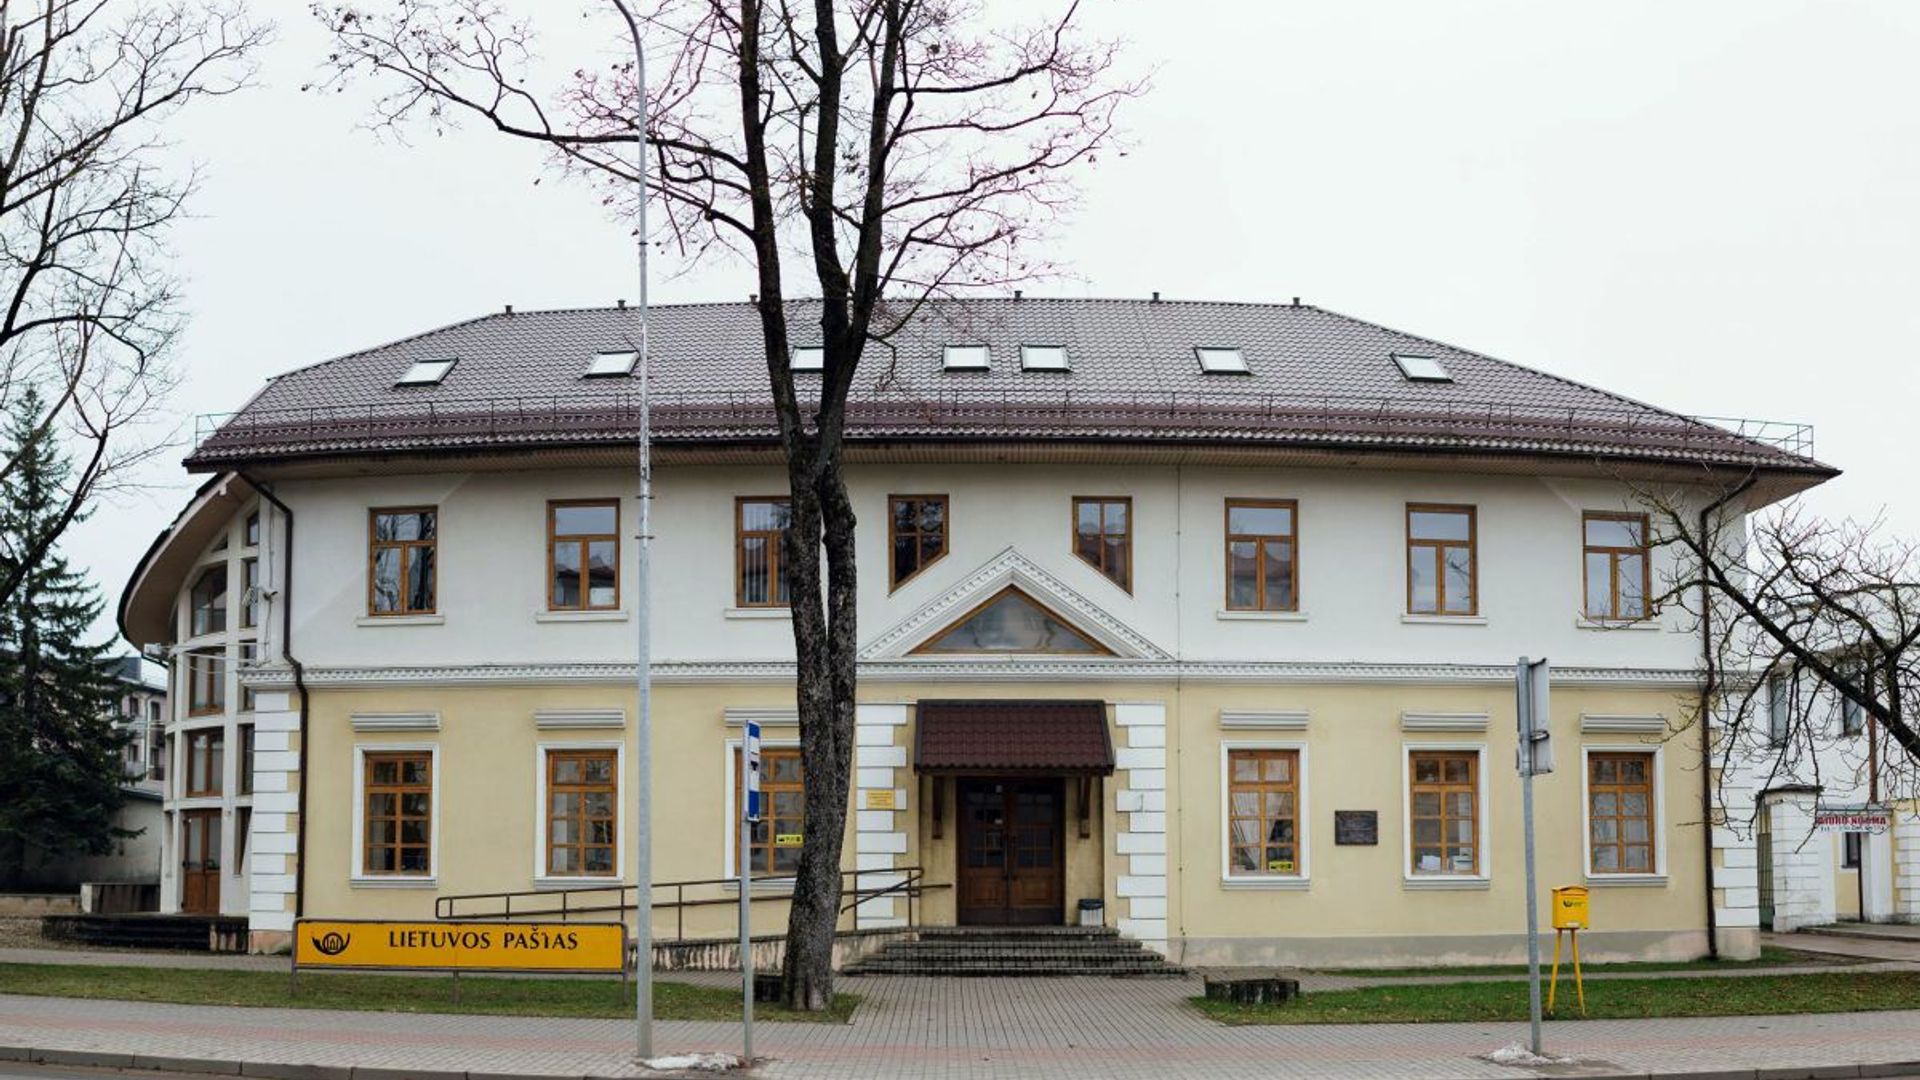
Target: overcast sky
<point x="1706" y="205"/>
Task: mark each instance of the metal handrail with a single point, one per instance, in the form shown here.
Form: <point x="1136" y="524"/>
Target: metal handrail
<point x="583" y="900"/>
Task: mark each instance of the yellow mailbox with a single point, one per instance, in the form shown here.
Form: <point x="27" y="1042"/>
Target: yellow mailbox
<point x="1570" y="908"/>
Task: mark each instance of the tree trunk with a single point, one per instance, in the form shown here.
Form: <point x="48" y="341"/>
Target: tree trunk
<point x="824" y="636"/>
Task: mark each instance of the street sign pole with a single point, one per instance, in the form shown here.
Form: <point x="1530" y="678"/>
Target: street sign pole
<point x="1530" y="698"/>
<point x="749" y="813"/>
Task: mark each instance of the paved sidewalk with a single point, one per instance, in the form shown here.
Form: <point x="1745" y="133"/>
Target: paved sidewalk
<point x="953" y="1028"/>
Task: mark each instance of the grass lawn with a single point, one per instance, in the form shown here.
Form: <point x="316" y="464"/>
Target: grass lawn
<point x="1770" y="956"/>
<point x="602" y="998"/>
<point x="1607" y="999"/>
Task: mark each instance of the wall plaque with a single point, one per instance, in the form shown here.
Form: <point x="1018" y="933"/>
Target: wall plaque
<point x="1356" y="826"/>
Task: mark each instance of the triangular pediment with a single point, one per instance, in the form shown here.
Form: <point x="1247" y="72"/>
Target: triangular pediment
<point x="1011" y="607"/>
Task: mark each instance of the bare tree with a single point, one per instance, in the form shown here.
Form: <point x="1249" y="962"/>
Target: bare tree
<point x="1810" y="639"/>
<point x="886" y="151"/>
<point x="90" y="310"/>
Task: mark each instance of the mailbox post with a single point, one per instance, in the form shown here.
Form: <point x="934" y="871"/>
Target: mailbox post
<point x="1569" y="918"/>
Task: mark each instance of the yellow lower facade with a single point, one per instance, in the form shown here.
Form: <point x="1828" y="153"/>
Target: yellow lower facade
<point x="1152" y="846"/>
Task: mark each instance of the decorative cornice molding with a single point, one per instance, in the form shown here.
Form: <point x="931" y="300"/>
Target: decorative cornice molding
<point x="1439" y="721"/>
<point x="738" y="715"/>
<point x="1010" y="567"/>
<point x="980" y="670"/>
<point x="1610" y="724"/>
<point x="415" y="721"/>
<point x="1264" y="719"/>
<point x="574" y="719"/>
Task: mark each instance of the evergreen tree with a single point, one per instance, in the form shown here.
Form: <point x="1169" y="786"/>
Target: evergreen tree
<point x="61" y="754"/>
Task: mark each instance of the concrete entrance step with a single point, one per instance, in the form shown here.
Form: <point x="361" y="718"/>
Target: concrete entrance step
<point x="1015" y="952"/>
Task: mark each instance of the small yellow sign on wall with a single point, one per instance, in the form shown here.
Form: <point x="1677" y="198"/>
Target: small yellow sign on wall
<point x="461" y="946"/>
<point x="880" y="799"/>
<point x="788" y="839"/>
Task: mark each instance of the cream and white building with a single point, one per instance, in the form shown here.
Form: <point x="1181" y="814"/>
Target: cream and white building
<point x="1207" y="611"/>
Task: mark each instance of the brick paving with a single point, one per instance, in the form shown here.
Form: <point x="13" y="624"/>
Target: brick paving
<point x="954" y="1028"/>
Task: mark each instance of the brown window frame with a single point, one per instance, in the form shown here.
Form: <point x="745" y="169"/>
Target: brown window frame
<point x="1100" y="564"/>
<point x="1613" y="554"/>
<point x="200" y="743"/>
<point x="209" y="679"/>
<point x="766" y="831"/>
<point x="406" y="548"/>
<point x="1264" y="787"/>
<point x="776" y="558"/>
<point x="583" y="542"/>
<point x="1618" y="788"/>
<point x="222" y="609"/>
<point x="894" y="535"/>
<point x="1443" y="788"/>
<point x="1259" y="540"/>
<point x="249" y="592"/>
<point x="1437" y="552"/>
<point x="399" y="790"/>
<point x="555" y="756"/>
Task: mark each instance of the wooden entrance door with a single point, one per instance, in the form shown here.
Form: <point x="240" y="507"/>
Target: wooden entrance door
<point x="200" y="862"/>
<point x="1012" y="852"/>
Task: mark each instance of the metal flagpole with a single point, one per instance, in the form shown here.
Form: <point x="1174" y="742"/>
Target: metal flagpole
<point x="643" y="597"/>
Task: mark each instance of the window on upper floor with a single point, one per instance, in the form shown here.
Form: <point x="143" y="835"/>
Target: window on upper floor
<point x="1443" y="812"/>
<point x="966" y="358"/>
<point x="398" y="814"/>
<point x="206" y="682"/>
<point x="1103" y="536"/>
<point x="1620" y="812"/>
<point x="245" y="764"/>
<point x="249" y="593"/>
<point x="1442" y="565"/>
<point x="1263" y="813"/>
<point x="774" y="849"/>
<point x="253" y="529"/>
<point x="1221" y="361"/>
<point x="916" y="534"/>
<point x="809" y="358"/>
<point x="1853" y="716"/>
<point x="583" y="555"/>
<point x="1044" y="358"/>
<point x="426" y="372"/>
<point x="760" y="576"/>
<point x="1616" y="566"/>
<point x="208" y="601"/>
<point x="1780" y="690"/>
<point x="1263" y="572"/>
<point x="402" y="560"/>
<point x="206" y="761"/>
<point x="611" y="364"/>
<point x="249" y="655"/>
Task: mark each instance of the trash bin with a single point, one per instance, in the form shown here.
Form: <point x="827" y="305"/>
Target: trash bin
<point x="1093" y="913"/>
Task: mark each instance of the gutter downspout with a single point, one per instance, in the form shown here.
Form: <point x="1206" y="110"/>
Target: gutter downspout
<point x="300" y="688"/>
<point x="1708" y="688"/>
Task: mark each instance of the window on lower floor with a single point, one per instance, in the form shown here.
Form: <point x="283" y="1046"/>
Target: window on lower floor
<point x="1620" y="817"/>
<point x="206" y="761"/>
<point x="777" y="835"/>
<point x="583" y="800"/>
<point x="1850" y="845"/>
<point x="1263" y="812"/>
<point x="1444" y="811"/>
<point x="398" y="813"/>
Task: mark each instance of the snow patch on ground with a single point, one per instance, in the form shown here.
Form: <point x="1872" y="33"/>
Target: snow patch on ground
<point x="694" y="1063"/>
<point x="1519" y="1056"/>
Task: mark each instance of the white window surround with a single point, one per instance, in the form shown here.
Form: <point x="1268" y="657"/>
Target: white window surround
<point x="1588" y="622"/>
<point x="1484" y="847"/>
<point x="1658" y="828"/>
<point x="356" y="852"/>
<point x="597" y="615"/>
<point x="400" y="620"/>
<point x="1261" y="616"/>
<point x="730" y="858"/>
<point x="544" y="880"/>
<point x="1044" y="358"/>
<point x="758" y="613"/>
<point x="1301" y="818"/>
<point x="1443" y="620"/>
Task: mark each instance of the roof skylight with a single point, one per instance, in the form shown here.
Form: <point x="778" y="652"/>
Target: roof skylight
<point x="1422" y="368"/>
<point x="1221" y="361"/>
<point x="611" y="363"/>
<point x="427" y="372"/>
<point x="1043" y="358"/>
<point x="967" y="358"/>
<point x="809" y="358"/>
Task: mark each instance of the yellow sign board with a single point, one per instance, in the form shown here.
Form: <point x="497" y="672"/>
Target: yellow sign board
<point x="787" y="839"/>
<point x="880" y="799"/>
<point x="1570" y="908"/>
<point x="461" y="946"/>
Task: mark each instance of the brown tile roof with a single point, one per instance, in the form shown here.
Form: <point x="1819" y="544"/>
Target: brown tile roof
<point x="1013" y="736"/>
<point x="1315" y="379"/>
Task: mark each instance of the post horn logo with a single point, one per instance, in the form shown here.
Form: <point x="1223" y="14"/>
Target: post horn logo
<point x="332" y="943"/>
